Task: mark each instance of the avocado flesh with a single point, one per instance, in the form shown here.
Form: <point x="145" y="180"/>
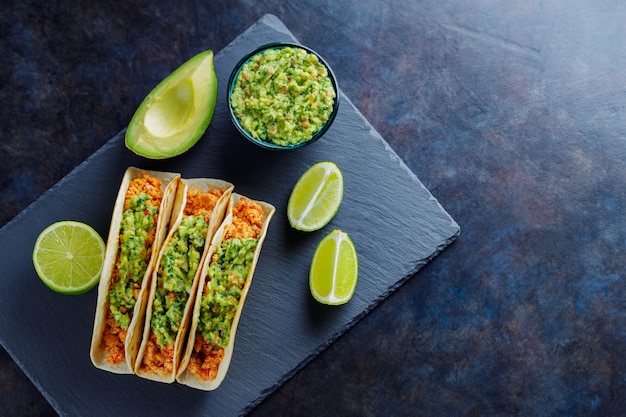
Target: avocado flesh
<point x="175" y="115"/>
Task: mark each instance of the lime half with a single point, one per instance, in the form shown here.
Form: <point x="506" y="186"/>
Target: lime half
<point x="68" y="257"/>
<point x="316" y="197"/>
<point x="334" y="269"/>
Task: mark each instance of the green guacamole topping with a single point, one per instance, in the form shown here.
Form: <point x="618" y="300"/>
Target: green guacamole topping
<point x="137" y="221"/>
<point x="179" y="264"/>
<point x="226" y="278"/>
<point x="283" y="95"/>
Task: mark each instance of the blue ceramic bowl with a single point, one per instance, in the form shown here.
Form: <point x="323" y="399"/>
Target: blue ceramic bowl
<point x="270" y="145"/>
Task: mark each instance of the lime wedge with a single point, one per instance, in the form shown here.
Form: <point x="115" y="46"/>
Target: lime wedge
<point x="334" y="269"/>
<point x="68" y="257"/>
<point x="316" y="197"/>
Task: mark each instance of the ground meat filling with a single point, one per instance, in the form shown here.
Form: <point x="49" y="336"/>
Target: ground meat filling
<point x="247" y="223"/>
<point x="205" y="359"/>
<point x="114" y="338"/>
<point x="199" y="203"/>
<point x="247" y="220"/>
<point x="114" y="335"/>
<point x="159" y="357"/>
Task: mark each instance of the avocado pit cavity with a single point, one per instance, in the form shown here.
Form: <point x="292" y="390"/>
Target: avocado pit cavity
<point x="170" y="113"/>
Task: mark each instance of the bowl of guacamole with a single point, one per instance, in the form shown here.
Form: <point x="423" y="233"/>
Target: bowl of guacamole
<point x="282" y="96"/>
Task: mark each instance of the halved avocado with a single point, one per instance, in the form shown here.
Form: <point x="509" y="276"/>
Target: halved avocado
<point x="173" y="117"/>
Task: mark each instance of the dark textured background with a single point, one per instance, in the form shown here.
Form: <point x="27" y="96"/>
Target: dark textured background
<point x="513" y="114"/>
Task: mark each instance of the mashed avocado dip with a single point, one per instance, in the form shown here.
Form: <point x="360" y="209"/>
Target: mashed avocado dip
<point x="136" y="223"/>
<point x="283" y="95"/>
<point x="177" y="269"/>
<point x="227" y="277"/>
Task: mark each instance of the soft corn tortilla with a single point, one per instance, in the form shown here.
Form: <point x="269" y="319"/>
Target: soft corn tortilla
<point x="184" y="376"/>
<point x="169" y="184"/>
<point x="217" y="215"/>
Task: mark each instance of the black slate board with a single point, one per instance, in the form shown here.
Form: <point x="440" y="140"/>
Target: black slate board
<point x="394" y="221"/>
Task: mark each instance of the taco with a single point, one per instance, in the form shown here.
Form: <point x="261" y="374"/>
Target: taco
<point x="139" y="223"/>
<point x="223" y="286"/>
<point x="200" y="204"/>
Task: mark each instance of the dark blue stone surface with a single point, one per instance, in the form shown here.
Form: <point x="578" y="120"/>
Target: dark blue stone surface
<point x="513" y="114"/>
<point x="395" y="223"/>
